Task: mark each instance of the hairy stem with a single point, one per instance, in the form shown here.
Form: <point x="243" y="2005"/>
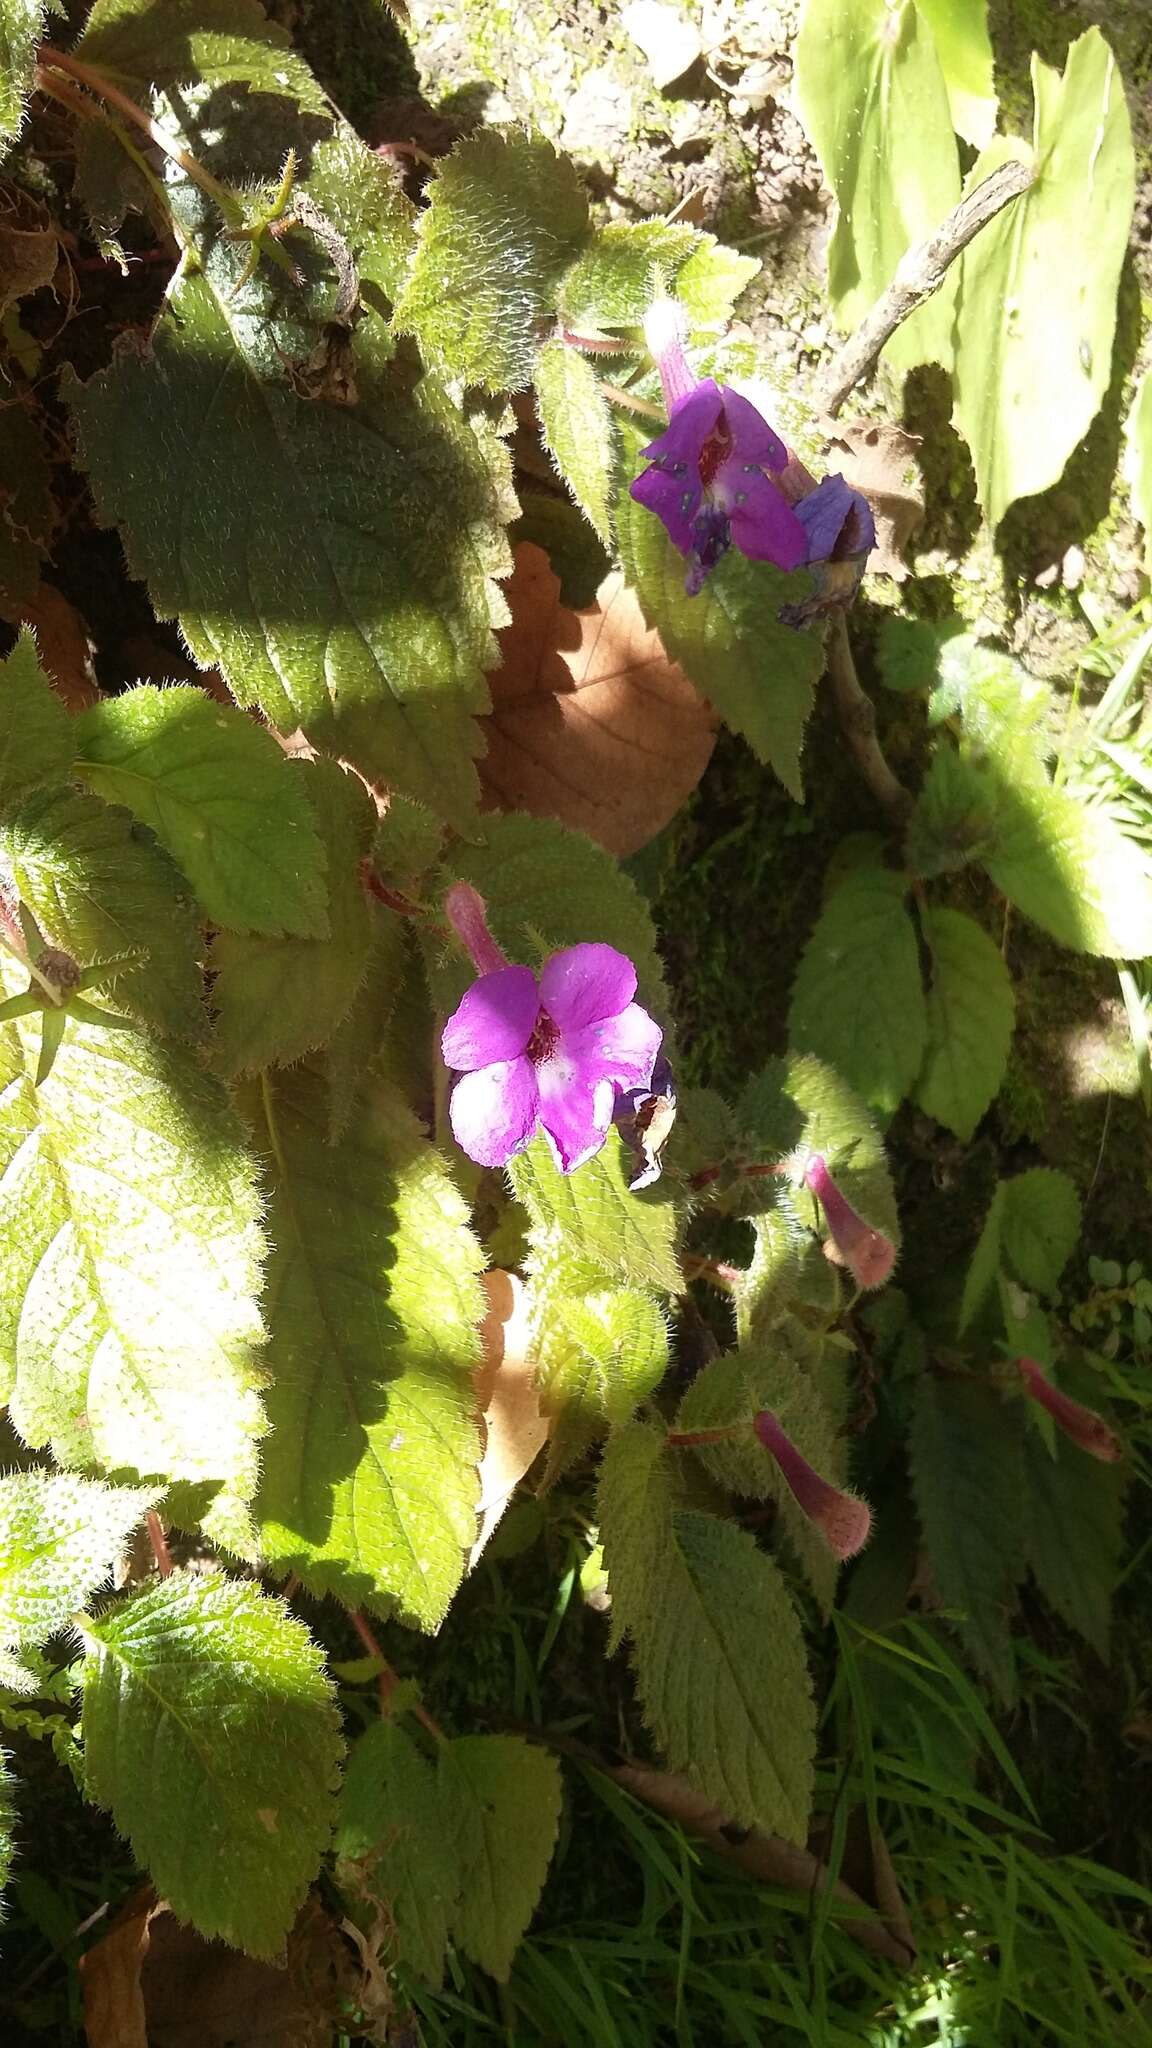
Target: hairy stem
<point x="387" y="1679"/>
<point x="159" y="1541"/>
<point x="857" y="716"/>
<point x="50" y="60"/>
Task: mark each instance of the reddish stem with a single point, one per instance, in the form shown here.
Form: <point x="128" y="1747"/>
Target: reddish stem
<point x="159" y="1542"/>
<point x="402" y="905"/>
<point x="687" y="1438"/>
<point x="388" y="1680"/>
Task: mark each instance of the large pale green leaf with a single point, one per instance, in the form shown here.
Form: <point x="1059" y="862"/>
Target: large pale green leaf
<point x="577" y="430"/>
<point x="59" y="1539"/>
<point x="368" y="1485"/>
<point x="334" y="558"/>
<point x="858" y="1001"/>
<point x="1036" y="298"/>
<point x="1138" y="458"/>
<point x="592" y="1217"/>
<point x="35" y="734"/>
<point x="21" y="27"/>
<point x="874" y="104"/>
<point x="99" y="890"/>
<point x="967" y="1465"/>
<point x="971" y="1013"/>
<point x="211" y="1732"/>
<point x="393" y="1846"/>
<point x="1040" y="1224"/>
<point x="1067" y="866"/>
<point x="1073" y="1533"/>
<point x="278" y="998"/>
<point x="760" y="675"/>
<point x="501" y="1806"/>
<point x="716" y="1644"/>
<point x="960" y="33"/>
<point x="506" y="217"/>
<point x="219" y="794"/>
<point x="128" y="1260"/>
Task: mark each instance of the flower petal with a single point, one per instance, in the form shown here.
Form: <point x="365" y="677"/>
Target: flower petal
<point x="753" y="439"/>
<point x="764" y="526"/>
<point x="674" y="500"/>
<point x="837" y="520"/>
<point x="621" y="1049"/>
<point x="494" y="1020"/>
<point x="493" y="1111"/>
<point x="584" y="984"/>
<point x="576" y="1113"/>
<point x="677" y="449"/>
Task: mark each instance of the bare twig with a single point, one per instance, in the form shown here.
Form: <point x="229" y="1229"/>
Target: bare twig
<point x="857" y="716"/>
<point x="918" y="274"/>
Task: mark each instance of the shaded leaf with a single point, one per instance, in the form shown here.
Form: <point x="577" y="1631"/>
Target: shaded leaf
<point x="971" y="1014"/>
<point x="955" y="818"/>
<point x="392" y="1845"/>
<point x="1073" y="1533"/>
<point x="968" y="1477"/>
<point x="28" y="510"/>
<point x="59" y="1539"/>
<point x="873" y="101"/>
<point x="129" y="1246"/>
<point x="368" y="1484"/>
<point x="857" y="1001"/>
<point x="1028" y="388"/>
<point x="227" y="42"/>
<point x="506" y="217"/>
<point x="984" y="1266"/>
<point x="218" y="793"/>
<point x="716" y="1644"/>
<point x="35" y="737"/>
<point x="501" y="1806"/>
<point x="879" y="458"/>
<point x="211" y="1732"/>
<point x="1040" y="1225"/>
<point x="591" y="723"/>
<point x="62" y="645"/>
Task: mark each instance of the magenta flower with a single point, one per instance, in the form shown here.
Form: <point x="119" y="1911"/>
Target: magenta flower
<point x="867" y="1253"/>
<point x="1082" y="1425"/>
<point x="720" y="476"/>
<point x="843" y="1519"/>
<point x="547" y="1052"/>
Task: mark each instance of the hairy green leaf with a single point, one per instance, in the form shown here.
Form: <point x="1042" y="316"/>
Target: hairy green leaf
<point x="1073" y="1533"/>
<point x="391" y="1829"/>
<point x="955" y="817"/>
<point x="501" y="1804"/>
<point x="628" y="264"/>
<point x="59" y="1539"/>
<point x="710" y="282"/>
<point x="858" y="1001"/>
<point x="716" y="1643"/>
<point x="211" y="1732"/>
<point x="218" y="793"/>
<point x="598" y="1351"/>
<point x="368" y="1486"/>
<point x="35" y="732"/>
<point x="760" y="675"/>
<point x="28" y="509"/>
<point x="873" y="101"/>
<point x="1040" y="1225"/>
<point x="356" y="1043"/>
<point x="592" y="1217"/>
<point x="506" y="217"/>
<point x="129" y="1250"/>
<point x="21" y="27"/>
<point x="1007" y="712"/>
<point x="577" y="430"/>
<point x="1069" y="868"/>
<point x="960" y="33"/>
<point x="7" y="1823"/>
<point x="278" y="998"/>
<point x="99" y="889"/>
<point x="1028" y="387"/>
<point x="223" y="42"/>
<point x="971" y="1014"/>
<point x="968" y="1477"/>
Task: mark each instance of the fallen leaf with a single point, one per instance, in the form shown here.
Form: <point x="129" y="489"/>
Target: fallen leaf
<point x="880" y="460"/>
<point x="63" y="645"/>
<point x="153" y="1982"/>
<point x="668" y="41"/>
<point x="591" y="722"/>
<point x="29" y="250"/>
<point x="515" y="1430"/>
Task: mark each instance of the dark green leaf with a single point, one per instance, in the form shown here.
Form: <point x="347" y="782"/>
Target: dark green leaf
<point x="501" y="1805"/>
<point x="1040" y="1225"/>
<point x="967" y="1463"/>
<point x="1074" y="1526"/>
<point x="971" y="1014"/>
<point x="858" y="1001"/>
<point x="393" y="1846"/>
<point x="577" y="430"/>
<point x="35" y="732"/>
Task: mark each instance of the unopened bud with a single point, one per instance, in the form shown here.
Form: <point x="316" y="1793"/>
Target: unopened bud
<point x="1082" y="1425"/>
<point x="842" y="1518"/>
<point x="467" y="913"/>
<point x="867" y="1253"/>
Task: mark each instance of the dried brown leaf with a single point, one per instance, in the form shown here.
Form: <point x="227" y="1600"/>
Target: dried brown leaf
<point x="63" y="645"/>
<point x="29" y="250"/>
<point x="515" y="1430"/>
<point x="880" y="459"/>
<point x="591" y="722"/>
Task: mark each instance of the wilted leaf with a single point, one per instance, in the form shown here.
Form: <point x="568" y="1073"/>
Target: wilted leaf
<point x="28" y="248"/>
<point x="63" y="645"/>
<point x="880" y="459"/>
<point x="514" y="1428"/>
<point x="591" y="722"/>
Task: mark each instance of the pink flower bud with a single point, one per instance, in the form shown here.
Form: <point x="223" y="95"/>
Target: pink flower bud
<point x="867" y="1253"/>
<point x="467" y="913"/>
<point x="1082" y="1425"/>
<point x="842" y="1519"/>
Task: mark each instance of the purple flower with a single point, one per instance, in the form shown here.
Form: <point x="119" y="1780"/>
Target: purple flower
<point x="549" y="1051"/>
<point x="720" y="476"/>
<point x="843" y="1519"/>
<point x="867" y="1253"/>
<point x="1082" y="1425"/>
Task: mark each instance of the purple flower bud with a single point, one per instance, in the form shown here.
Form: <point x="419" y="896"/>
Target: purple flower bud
<point x="547" y="1052"/>
<point x="867" y="1253"/>
<point x="842" y="1518"/>
<point x="467" y="913"/>
<point x="1082" y="1425"/>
